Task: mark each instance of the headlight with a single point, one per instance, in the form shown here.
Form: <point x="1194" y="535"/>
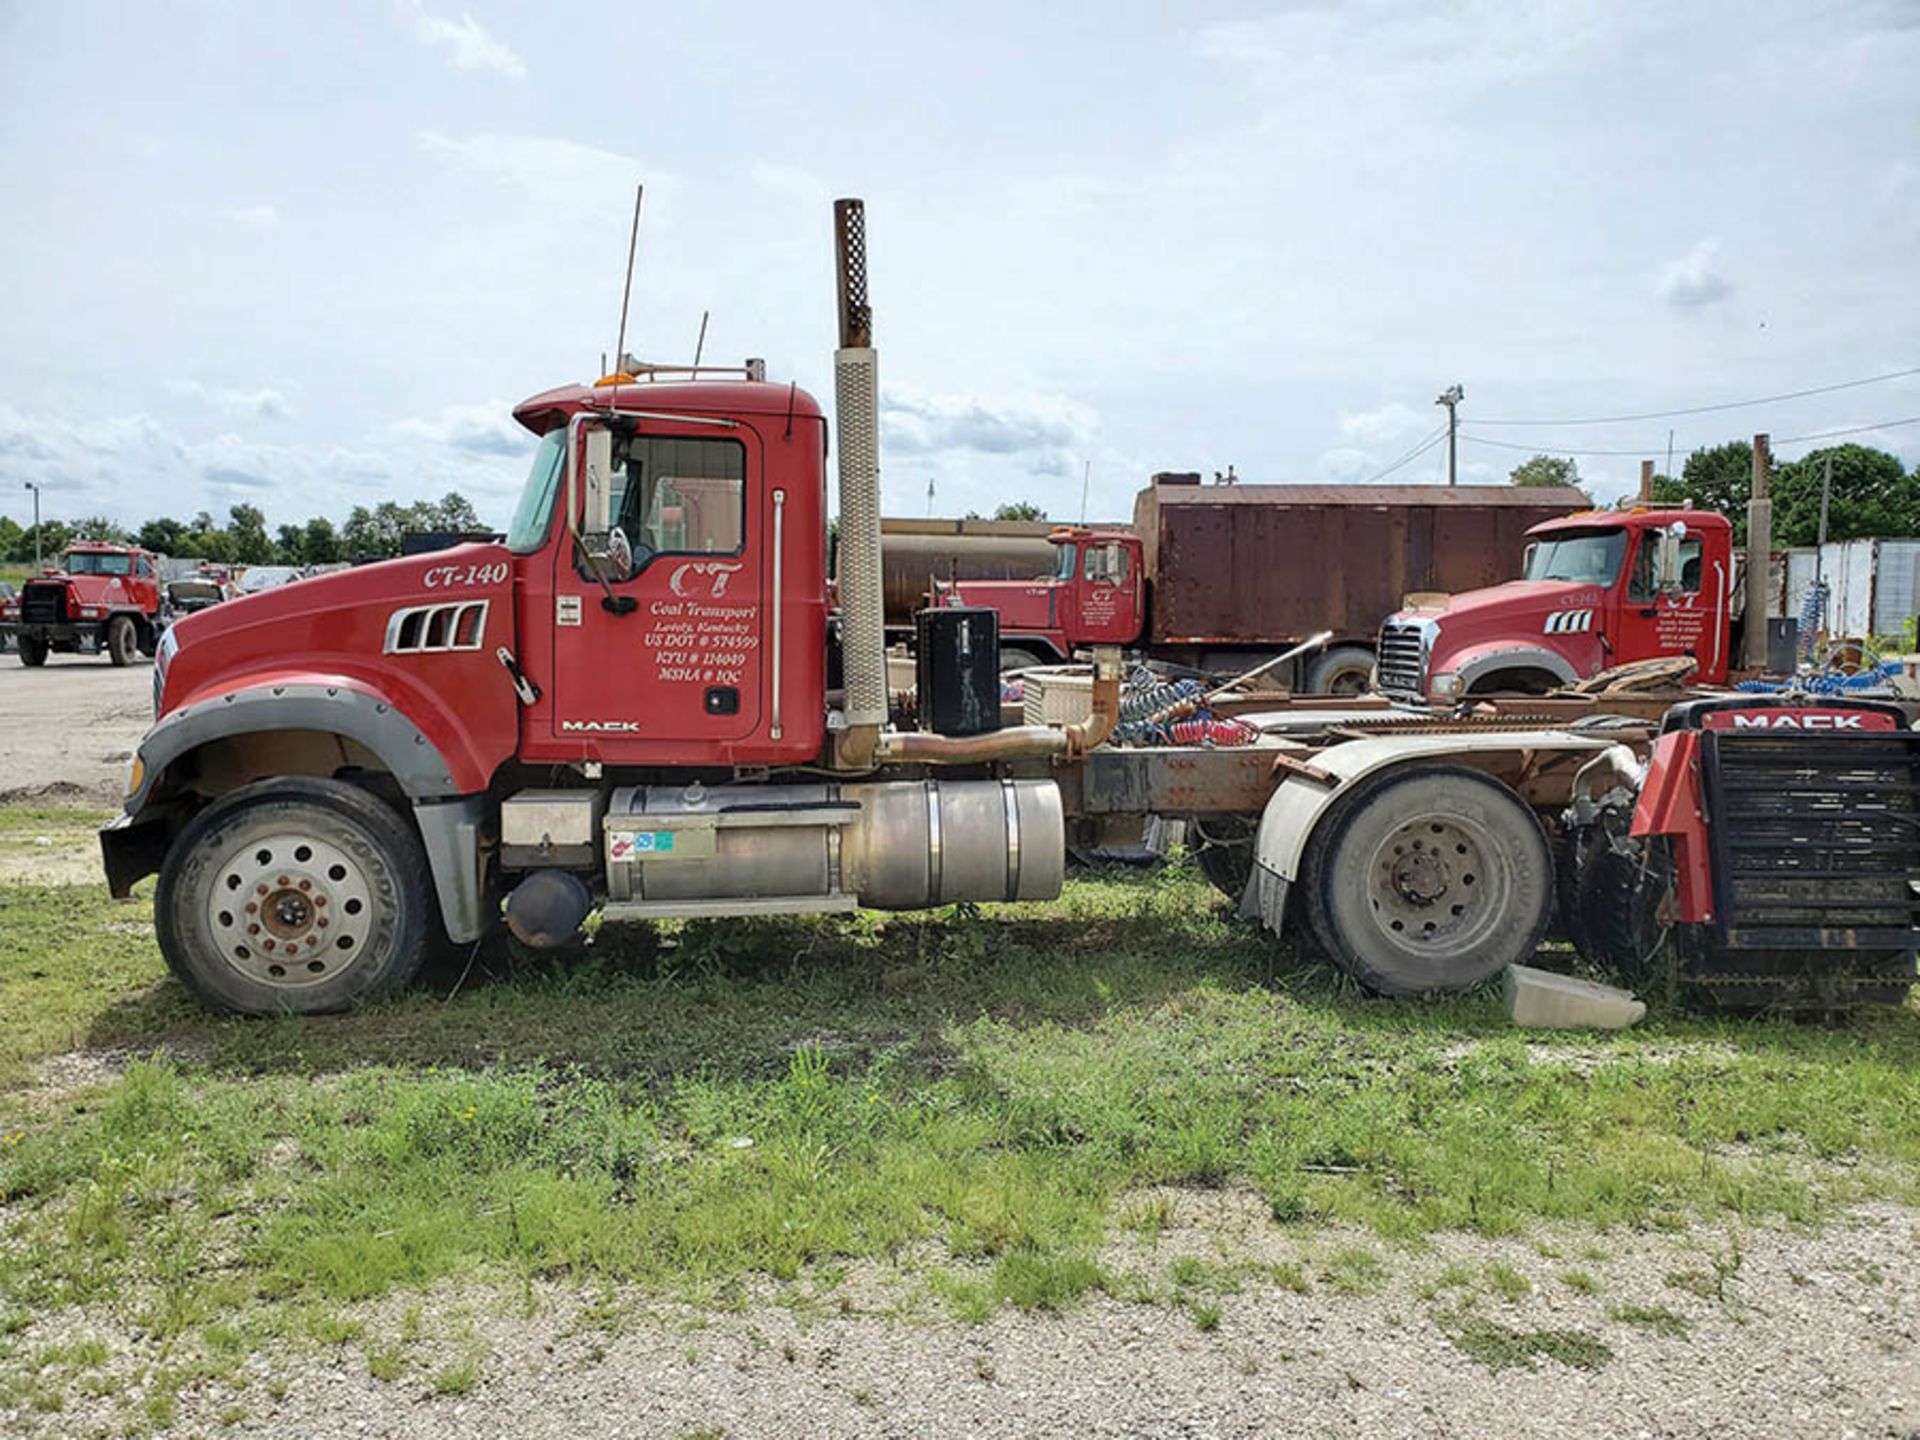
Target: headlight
<point x="90" y="612"/>
<point x="1444" y="686"/>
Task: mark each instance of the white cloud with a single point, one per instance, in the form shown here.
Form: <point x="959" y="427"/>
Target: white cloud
<point x="1389" y="423"/>
<point x="132" y="467"/>
<point x="922" y="422"/>
<point x="467" y="43"/>
<point x="262" y="404"/>
<point x="480" y="429"/>
<point x="1696" y="279"/>
<point x="252" y="217"/>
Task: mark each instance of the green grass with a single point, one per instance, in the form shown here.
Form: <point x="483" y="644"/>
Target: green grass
<point x="1501" y="1347"/>
<point x="1656" y="1318"/>
<point x="996" y="1088"/>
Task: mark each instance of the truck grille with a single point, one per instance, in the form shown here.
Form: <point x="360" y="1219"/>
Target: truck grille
<point x="1402" y="659"/>
<point x="43" y="605"/>
<point x="1816" y="840"/>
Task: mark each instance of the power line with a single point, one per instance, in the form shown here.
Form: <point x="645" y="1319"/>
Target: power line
<point x="1651" y="449"/>
<point x="1414" y="454"/>
<point x="1707" y="409"/>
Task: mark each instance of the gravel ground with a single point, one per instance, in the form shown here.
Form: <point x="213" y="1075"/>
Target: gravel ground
<point x="1815" y="1334"/>
<point x="68" y="730"/>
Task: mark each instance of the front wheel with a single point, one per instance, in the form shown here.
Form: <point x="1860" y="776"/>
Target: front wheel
<point x="122" y="640"/>
<point x="1428" y="879"/>
<point x="33" y="651"/>
<point x="295" y="895"/>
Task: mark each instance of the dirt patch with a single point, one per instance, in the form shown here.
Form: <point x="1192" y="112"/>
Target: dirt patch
<point x="69" y="729"/>
<point x="1566" y="1334"/>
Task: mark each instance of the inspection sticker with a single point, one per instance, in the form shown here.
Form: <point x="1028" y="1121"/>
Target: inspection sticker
<point x="629" y="844"/>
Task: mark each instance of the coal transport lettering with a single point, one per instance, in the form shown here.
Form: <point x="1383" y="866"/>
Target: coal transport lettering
<point x="694" y="643"/>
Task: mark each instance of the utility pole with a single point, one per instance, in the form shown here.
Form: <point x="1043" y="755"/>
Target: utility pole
<point x="1826" y="494"/>
<point x="1451" y="398"/>
<point x="1759" y="553"/>
<point x="36" y="523"/>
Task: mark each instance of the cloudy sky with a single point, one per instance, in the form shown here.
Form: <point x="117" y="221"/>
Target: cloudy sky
<point x="308" y="256"/>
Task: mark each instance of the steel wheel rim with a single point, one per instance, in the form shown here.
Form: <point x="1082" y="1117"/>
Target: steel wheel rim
<point x="1436" y="885"/>
<point x="291" y="911"/>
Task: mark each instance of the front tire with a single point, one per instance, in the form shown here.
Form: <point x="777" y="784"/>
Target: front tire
<point x="122" y="640"/>
<point x="1428" y="879"/>
<point x="33" y="651"/>
<point x="294" y="896"/>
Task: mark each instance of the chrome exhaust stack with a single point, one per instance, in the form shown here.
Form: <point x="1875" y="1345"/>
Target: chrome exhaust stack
<point x="856" y="388"/>
<point x="864" y="741"/>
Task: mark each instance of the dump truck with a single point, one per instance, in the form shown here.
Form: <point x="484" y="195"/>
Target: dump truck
<point x="1221" y="577"/>
<point x="100" y="597"/>
<point x="623" y="707"/>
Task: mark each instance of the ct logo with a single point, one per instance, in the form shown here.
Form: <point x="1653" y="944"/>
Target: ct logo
<point x="716" y="572"/>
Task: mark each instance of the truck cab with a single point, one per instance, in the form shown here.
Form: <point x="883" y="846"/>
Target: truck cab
<point x="1597" y="589"/>
<point x="100" y="597"/>
<point x="1095" y="596"/>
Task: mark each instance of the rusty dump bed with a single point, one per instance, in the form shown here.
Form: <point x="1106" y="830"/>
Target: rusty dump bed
<point x="1265" y="564"/>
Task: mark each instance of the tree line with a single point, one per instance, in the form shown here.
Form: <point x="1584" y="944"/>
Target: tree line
<point x="366" y="534"/>
<point x="1872" y="494"/>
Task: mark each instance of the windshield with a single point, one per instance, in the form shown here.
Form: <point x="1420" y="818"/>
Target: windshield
<point x="1064" y="571"/>
<point x="534" y="513"/>
<point x="1590" y="559"/>
<point x="93" y="562"/>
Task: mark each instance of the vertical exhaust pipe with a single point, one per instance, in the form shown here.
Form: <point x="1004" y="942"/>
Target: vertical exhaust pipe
<point x="1759" y="554"/>
<point x="856" y="388"/>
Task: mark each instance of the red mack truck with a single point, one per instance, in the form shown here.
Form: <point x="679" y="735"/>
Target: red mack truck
<point x="1597" y="590"/>
<point x="101" y="597"/>
<point x="624" y="707"/>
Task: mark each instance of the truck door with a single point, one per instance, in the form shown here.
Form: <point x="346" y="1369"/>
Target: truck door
<point x="1651" y="623"/>
<point x="1105" y="600"/>
<point x="684" y="665"/>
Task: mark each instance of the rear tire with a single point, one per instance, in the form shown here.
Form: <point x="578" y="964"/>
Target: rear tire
<point x="122" y="640"/>
<point x="33" y="651"/>
<point x="1428" y="879"/>
<point x="337" y="885"/>
<point x="1343" y="670"/>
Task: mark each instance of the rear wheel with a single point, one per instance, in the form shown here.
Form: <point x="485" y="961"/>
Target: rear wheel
<point x="1222" y="847"/>
<point x="33" y="650"/>
<point x="1343" y="670"/>
<point x="1428" y="879"/>
<point x="122" y="640"/>
<point x="295" y="895"/>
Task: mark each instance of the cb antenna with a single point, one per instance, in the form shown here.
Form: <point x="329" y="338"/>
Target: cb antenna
<point x="700" y="345"/>
<point x="626" y="289"/>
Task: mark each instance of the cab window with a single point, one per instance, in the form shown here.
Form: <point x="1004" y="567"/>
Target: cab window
<point x="1107" y="563"/>
<point x="1064" y="569"/>
<point x="675" y="496"/>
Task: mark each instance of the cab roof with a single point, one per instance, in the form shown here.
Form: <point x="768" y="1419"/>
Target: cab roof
<point x="551" y="408"/>
<point x="1639" y="516"/>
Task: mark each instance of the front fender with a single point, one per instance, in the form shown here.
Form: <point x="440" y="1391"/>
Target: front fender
<point x="334" y="705"/>
<point x="1476" y="661"/>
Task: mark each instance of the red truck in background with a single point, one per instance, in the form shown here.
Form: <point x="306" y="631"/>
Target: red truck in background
<point x="1222" y="577"/>
<point x="102" y="597"/>
<point x="1597" y="589"/>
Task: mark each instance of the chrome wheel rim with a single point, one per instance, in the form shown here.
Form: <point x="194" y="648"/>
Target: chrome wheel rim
<point x="291" y="911"/>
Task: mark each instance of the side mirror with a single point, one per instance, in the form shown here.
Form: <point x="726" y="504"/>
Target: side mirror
<point x="1666" y="558"/>
<point x="598" y="518"/>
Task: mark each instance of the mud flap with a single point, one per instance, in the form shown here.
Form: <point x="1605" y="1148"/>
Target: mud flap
<point x="131" y="849"/>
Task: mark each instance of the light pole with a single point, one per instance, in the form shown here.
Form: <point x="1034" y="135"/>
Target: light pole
<point x="36" y="523"/>
<point x="1451" y="398"/>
